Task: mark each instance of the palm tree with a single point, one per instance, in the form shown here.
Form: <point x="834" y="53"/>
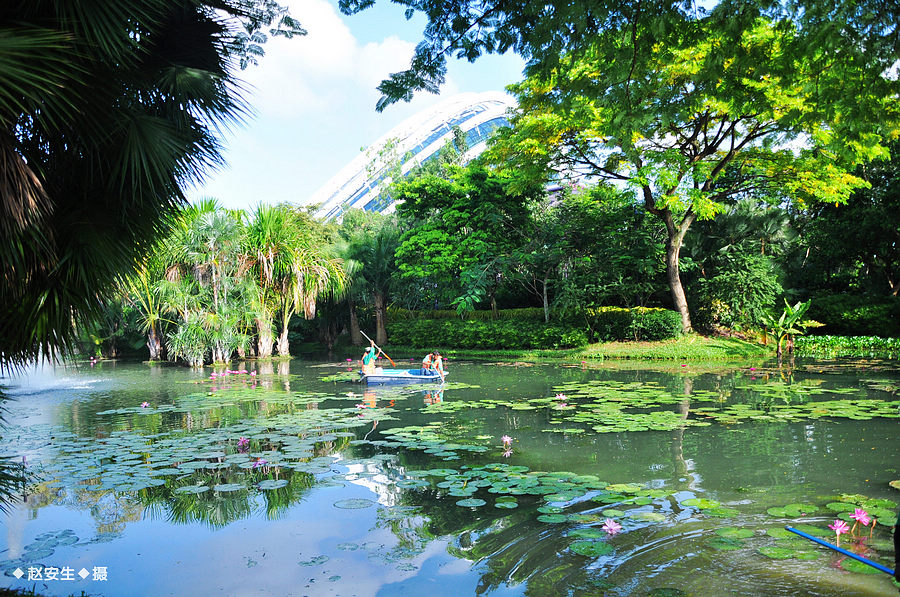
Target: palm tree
<point x="108" y="108"/>
<point x="271" y="239"/>
<point x="374" y="249"/>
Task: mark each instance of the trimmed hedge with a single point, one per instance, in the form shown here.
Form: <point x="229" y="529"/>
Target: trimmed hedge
<point x="506" y="334"/>
<point x="609" y="324"/>
<point x="527" y="314"/>
<point x="856" y="315"/>
<point x="861" y="345"/>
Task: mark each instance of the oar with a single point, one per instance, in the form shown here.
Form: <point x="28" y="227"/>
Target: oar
<point x="376" y="346"/>
<point x="849" y="554"/>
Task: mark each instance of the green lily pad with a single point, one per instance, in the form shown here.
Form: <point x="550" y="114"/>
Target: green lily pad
<point x="592" y="548"/>
<point x="471" y="503"/>
<point x="270" y="484"/>
<point x="813" y="530"/>
<point x="613" y="513"/>
<point x="647" y="516"/>
<point x="192" y="489"/>
<point x="228" y="487"/>
<point x="780" y="533"/>
<point x="354" y="504"/>
<point x="589" y="533"/>
<point x="553" y="518"/>
<point x="701" y="503"/>
<point x="851" y="565"/>
<point x="841" y="507"/>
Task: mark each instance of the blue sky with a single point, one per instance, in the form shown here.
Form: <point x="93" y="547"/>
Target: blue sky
<point x="314" y="101"/>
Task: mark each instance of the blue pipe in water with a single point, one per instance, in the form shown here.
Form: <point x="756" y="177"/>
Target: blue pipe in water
<point x="849" y="554"/>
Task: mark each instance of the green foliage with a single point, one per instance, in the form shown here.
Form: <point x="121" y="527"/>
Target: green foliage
<point x="608" y="324"/>
<point x="527" y="314"/>
<point x="426" y="333"/>
<point x="789" y="324"/>
<point x="847" y="345"/>
<point x="852" y="315"/>
<point x="109" y="110"/>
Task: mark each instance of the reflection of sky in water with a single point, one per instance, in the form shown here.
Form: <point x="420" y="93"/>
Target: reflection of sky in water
<point x="315" y="548"/>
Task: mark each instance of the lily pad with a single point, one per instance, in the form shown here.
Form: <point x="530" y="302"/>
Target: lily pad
<point x="701" y="503"/>
<point x="592" y="548"/>
<point x="270" y="484"/>
<point x="354" y="504"/>
<point x="734" y="533"/>
<point x="471" y="503"/>
<point x="553" y="518"/>
<point x="192" y="489"/>
<point x="721" y="512"/>
<point x="228" y="487"/>
<point x="851" y="565"/>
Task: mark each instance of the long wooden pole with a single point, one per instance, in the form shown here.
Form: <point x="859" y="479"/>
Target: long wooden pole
<point x="849" y="554"/>
<point x="376" y="346"/>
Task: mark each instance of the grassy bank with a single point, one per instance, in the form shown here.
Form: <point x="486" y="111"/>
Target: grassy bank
<point x="688" y="348"/>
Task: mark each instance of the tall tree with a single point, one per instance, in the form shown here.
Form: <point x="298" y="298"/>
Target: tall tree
<point x="107" y="109"/>
<point x="668" y="111"/>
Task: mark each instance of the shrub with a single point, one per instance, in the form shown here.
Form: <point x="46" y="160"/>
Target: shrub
<point x="608" y="324"/>
<point x="527" y="314"/>
<point x="857" y="315"/>
<point x="506" y="334"/>
<point x="847" y="345"/>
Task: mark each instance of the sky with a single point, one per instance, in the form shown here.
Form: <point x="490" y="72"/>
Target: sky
<point x="313" y="100"/>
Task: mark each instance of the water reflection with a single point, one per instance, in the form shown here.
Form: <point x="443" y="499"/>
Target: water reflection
<point x="286" y="447"/>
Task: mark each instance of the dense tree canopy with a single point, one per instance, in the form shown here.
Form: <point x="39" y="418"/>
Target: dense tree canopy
<point x="670" y="114"/>
<point x="107" y="110"/>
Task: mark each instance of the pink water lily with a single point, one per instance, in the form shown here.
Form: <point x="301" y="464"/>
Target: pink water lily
<point x="506" y="440"/>
<point x="507" y="453"/>
<point x="260" y="462"/>
<point x="243" y="442"/>
<point x="861" y="516"/>
<point x="145" y="404"/>
<point x="561" y="396"/>
<point x="611" y="526"/>
<point x="839" y="527"/>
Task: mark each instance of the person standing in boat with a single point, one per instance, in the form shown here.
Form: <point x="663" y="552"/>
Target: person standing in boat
<point x="368" y="359"/>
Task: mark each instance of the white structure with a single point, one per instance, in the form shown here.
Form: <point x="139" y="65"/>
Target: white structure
<point x="419" y="138"/>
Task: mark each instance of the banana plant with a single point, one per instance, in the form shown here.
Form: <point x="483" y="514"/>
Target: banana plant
<point x="789" y="324"/>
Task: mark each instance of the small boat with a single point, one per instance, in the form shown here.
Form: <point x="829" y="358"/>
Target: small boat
<point x="399" y="376"/>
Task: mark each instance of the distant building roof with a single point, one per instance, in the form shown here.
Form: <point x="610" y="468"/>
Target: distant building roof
<point x="419" y="138"/>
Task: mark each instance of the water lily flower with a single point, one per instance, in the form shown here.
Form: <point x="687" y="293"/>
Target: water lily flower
<point x="243" y="442"/>
<point x="349" y="360"/>
<point x="560" y="396"/>
<point x="839" y="527"/>
<point x="260" y="462"/>
<point x="145" y="404"/>
<point x="861" y="517"/>
<point x="611" y="526"/>
<point x="752" y="368"/>
<point x="507" y="453"/>
<point x="253" y="373"/>
<point x="506" y="440"/>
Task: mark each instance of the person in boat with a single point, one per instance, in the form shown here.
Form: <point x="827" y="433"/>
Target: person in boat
<point x="437" y="364"/>
<point x="368" y="359"/>
<point x="428" y="364"/>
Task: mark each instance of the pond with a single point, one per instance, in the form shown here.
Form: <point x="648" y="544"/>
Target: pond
<point x="511" y="479"/>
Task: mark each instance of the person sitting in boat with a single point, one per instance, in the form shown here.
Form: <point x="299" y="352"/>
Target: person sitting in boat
<point x="428" y="364"/>
<point x="368" y="360"/>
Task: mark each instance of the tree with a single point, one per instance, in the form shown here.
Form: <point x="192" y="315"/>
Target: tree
<point x="669" y="111"/>
<point x="857" y="245"/>
<point x="543" y="30"/>
<point x="457" y="233"/>
<point x="371" y="242"/>
<point x="107" y="109"/>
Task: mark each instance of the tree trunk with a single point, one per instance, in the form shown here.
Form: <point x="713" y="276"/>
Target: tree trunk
<point x="673" y="276"/>
<point x="355" y="336"/>
<point x="546" y="302"/>
<point x="154" y="343"/>
<point x="674" y="239"/>
<point x="284" y="349"/>
<point x="380" y="330"/>
<point x="266" y="339"/>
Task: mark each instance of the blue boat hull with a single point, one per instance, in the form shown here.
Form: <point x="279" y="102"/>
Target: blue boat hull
<point x="400" y="376"/>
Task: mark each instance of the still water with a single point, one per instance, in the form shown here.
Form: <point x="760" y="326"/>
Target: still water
<point x="610" y="480"/>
